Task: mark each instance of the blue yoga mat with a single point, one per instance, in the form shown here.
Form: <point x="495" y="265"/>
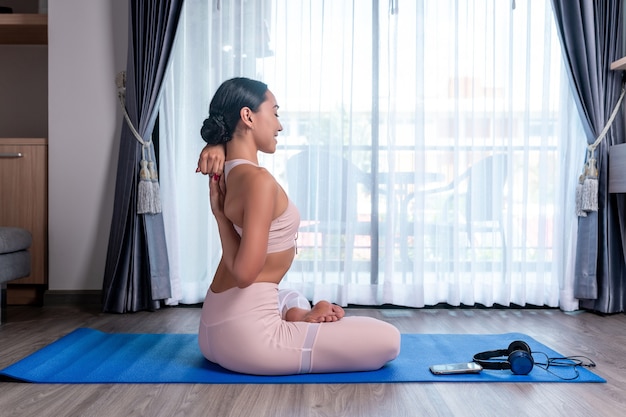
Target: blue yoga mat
<point x="91" y="356"/>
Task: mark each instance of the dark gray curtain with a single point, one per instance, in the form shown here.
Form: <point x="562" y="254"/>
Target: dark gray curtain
<point x="591" y="35"/>
<point x="137" y="272"/>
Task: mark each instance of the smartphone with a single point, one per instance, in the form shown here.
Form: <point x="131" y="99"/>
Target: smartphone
<point x="456" y="368"/>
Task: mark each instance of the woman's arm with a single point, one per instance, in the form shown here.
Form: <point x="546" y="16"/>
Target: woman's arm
<point x="245" y="257"/>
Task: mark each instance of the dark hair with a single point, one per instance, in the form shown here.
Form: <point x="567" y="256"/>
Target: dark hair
<point x="225" y="107"/>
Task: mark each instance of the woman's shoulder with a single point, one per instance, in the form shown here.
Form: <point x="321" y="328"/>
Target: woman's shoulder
<point x="251" y="176"/>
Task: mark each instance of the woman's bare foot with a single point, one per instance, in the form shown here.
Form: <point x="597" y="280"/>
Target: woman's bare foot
<point x="321" y="312"/>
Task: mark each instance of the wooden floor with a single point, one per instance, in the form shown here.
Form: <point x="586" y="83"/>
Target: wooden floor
<point x="601" y="338"/>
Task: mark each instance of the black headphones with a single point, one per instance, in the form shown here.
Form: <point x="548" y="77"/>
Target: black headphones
<point x="519" y="358"/>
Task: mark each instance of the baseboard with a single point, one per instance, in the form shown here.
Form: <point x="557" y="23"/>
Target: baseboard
<point x="76" y="297"/>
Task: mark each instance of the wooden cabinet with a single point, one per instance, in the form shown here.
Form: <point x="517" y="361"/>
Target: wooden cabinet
<point x="24" y="201"/>
<point x="23" y="29"/>
<point x="23" y="171"/>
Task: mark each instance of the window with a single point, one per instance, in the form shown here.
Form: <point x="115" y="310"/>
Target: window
<point x="422" y="142"/>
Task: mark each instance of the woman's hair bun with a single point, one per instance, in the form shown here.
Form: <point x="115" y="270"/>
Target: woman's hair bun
<point x="214" y="130"/>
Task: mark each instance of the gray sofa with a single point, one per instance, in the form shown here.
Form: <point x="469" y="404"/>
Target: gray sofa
<point x="14" y="260"/>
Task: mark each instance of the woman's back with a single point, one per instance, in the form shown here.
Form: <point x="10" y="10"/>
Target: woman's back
<point x="260" y="210"/>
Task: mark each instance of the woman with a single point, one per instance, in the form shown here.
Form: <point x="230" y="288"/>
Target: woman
<point x="247" y="324"/>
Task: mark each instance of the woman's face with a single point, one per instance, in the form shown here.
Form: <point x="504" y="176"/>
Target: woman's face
<point x="266" y="125"/>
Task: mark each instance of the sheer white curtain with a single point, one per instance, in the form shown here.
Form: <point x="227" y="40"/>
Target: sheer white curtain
<point x="431" y="147"/>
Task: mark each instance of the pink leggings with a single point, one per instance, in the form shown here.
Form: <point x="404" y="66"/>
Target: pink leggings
<point x="242" y="330"/>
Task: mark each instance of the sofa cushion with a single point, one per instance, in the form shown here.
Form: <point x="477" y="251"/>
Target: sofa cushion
<point x="14" y="239"/>
<point x="14" y="265"/>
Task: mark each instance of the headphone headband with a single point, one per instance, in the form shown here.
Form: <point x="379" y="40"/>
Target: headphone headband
<point x="490" y="354"/>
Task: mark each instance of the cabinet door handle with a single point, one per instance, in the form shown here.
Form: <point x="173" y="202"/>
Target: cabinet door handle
<point x="11" y="155"/>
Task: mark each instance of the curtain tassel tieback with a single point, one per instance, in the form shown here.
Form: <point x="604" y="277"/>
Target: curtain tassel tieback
<point x="148" y="190"/>
<point x="156" y="190"/>
<point x="587" y="187"/>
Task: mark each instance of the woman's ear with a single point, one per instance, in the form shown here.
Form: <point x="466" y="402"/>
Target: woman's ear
<point x="246" y="116"/>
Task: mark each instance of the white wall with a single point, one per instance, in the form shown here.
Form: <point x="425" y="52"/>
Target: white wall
<point x="86" y="49"/>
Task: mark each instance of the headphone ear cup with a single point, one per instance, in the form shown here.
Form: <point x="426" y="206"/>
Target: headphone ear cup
<point x="521" y="362"/>
<point x="518" y="345"/>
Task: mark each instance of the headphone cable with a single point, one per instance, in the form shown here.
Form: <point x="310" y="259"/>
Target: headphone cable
<point x="565" y="362"/>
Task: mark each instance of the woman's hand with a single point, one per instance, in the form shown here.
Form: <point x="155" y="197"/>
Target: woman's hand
<point x="217" y="192"/>
<point x="211" y="160"/>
